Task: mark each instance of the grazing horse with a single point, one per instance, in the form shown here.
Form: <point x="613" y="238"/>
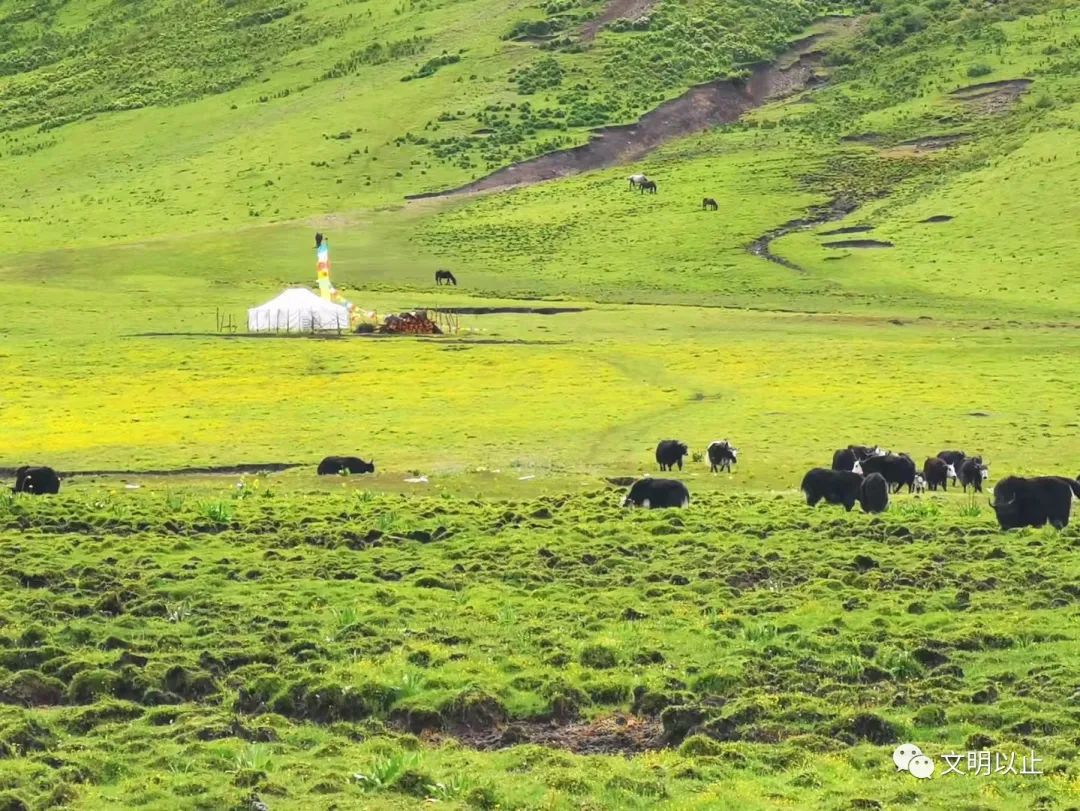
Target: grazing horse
<point x="647" y="186"/>
<point x="636" y="181"/>
<point x="445" y="276"/>
<point x="708" y="202"/>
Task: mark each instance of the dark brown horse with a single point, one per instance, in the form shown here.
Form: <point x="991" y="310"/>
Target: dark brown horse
<point x="648" y="186"/>
<point x="445" y="276"/>
<point x="708" y="203"/>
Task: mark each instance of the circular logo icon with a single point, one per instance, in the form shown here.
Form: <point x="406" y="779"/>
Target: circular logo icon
<point x="921" y="767"/>
<point x="903" y="755"/>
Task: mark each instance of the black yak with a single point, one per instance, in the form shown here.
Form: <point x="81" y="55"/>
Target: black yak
<point x="874" y="494"/>
<point x="1020" y="502"/>
<point x="657" y="494"/>
<point x="722" y="456"/>
<point x="973" y="473"/>
<point x="38" y="481"/>
<point x="834" y="486"/>
<point x="938" y="472"/>
<point x="333" y="465"/>
<point x="845" y="458"/>
<point x="898" y="469"/>
<point x="670" y="452"/>
<point x="956" y="459"/>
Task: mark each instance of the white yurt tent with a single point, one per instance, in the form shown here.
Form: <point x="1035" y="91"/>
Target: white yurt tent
<point x="298" y="310"/>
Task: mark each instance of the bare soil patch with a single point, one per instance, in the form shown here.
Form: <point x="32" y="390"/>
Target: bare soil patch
<point x="699" y="108"/>
<point x="857" y="243"/>
<point x="615" y="10"/>
<point x="610" y="735"/>
<point x="991" y="98"/>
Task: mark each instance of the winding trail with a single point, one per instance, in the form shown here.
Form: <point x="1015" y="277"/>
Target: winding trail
<point x="836" y="210"/>
<point x="699" y="108"/>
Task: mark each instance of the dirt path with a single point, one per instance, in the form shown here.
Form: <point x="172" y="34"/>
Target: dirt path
<point x="615" y="10"/>
<point x="699" y="108"/>
<point x="836" y="210"/>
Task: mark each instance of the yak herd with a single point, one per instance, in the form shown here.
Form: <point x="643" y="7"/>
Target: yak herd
<point x="859" y="474"/>
<point x="866" y="475"/>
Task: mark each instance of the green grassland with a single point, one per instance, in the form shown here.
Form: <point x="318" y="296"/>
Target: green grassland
<point x="367" y="642"/>
<point x="190" y="649"/>
<point x="577" y="393"/>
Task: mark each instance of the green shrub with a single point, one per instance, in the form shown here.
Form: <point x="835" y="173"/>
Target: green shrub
<point x="544" y="75"/>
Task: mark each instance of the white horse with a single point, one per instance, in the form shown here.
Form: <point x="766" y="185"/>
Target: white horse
<point x="636" y="181"/>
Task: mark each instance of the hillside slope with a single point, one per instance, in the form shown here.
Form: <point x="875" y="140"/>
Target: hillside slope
<point x="121" y="122"/>
<point x="971" y="123"/>
<point x="328" y="130"/>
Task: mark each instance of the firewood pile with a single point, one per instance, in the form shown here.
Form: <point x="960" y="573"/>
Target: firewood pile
<point x="417" y="322"/>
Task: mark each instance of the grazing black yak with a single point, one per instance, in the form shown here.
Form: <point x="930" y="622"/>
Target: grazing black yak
<point x="1020" y="502"/>
<point x="670" y="452"/>
<point x="834" y="486"/>
<point x="38" y="481"/>
<point x="845" y="458"/>
<point x="956" y="459"/>
<point x="898" y="469"/>
<point x="874" y="494"/>
<point x="333" y="465"/>
<point x="657" y="494"/>
<point x="722" y="456"/>
<point x="938" y="472"/>
<point x="973" y="473"/>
